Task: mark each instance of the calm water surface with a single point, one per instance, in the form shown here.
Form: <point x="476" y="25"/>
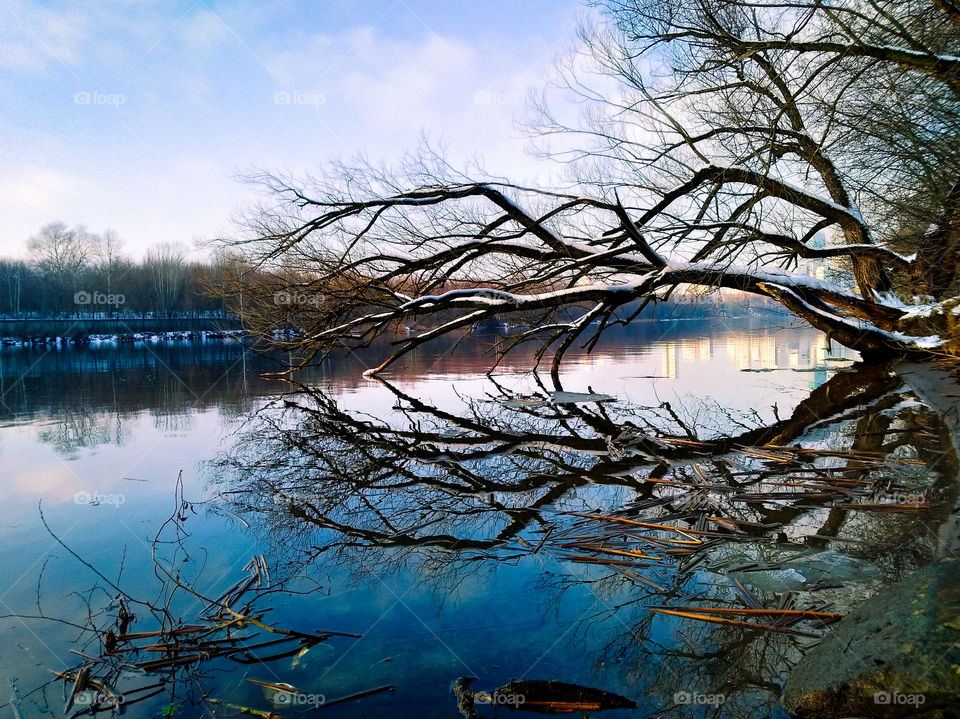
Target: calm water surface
<point x="439" y="548"/>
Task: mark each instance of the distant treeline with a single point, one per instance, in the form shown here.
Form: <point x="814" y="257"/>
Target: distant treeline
<point x="71" y="272"/>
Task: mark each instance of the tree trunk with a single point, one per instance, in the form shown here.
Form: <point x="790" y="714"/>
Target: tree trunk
<point x="937" y="258"/>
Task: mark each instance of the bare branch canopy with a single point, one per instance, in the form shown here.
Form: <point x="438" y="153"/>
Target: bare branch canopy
<point x="807" y="152"/>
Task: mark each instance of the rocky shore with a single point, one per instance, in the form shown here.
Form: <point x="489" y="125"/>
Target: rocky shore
<point x="898" y="653"/>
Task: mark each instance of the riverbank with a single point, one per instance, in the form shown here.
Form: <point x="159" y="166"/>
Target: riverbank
<point x="33" y="329"/>
<point x="897" y="653"/>
<point x="85" y="340"/>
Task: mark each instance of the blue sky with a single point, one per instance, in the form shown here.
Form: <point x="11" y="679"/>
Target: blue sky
<point x="139" y="116"/>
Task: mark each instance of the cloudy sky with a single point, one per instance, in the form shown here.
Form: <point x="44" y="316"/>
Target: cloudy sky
<point x="139" y="116"/>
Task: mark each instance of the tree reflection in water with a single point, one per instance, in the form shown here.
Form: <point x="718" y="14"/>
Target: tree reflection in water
<point x="453" y="491"/>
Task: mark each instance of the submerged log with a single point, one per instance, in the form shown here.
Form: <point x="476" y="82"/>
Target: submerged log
<point x="556" y="697"/>
<point x="539" y="697"/>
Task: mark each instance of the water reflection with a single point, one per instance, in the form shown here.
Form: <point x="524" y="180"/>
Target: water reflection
<point x="748" y="352"/>
<point x="433" y="509"/>
<point x="87" y="393"/>
<point x="508" y="479"/>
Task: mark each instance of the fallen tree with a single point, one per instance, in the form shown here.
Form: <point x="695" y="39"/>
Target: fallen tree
<point x="742" y="144"/>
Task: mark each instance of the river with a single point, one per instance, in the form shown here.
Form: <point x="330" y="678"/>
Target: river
<point x="429" y="514"/>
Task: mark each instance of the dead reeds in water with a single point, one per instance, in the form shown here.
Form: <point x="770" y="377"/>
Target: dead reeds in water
<point x="158" y="658"/>
<point x="176" y="655"/>
<point x="700" y="507"/>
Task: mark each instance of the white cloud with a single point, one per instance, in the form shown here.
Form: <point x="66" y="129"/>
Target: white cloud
<point x="201" y="105"/>
<point x="380" y="93"/>
<point x="407" y="86"/>
<point x="31" y="37"/>
<point x="203" y="31"/>
<point x="35" y="188"/>
<point x="33" y="196"/>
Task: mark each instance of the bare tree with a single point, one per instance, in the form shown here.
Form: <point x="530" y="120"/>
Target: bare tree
<point x="109" y="257"/>
<point x="65" y="262"/>
<point x="718" y="138"/>
<point x="165" y="263"/>
<point x="12" y="274"/>
<point x="61" y="254"/>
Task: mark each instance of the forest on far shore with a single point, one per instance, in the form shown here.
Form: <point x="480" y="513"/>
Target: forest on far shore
<point x="69" y="271"/>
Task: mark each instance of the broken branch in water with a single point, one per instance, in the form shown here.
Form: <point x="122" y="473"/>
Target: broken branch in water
<point x="720" y="620"/>
<point x="800" y="613"/>
<point x="184" y="649"/>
